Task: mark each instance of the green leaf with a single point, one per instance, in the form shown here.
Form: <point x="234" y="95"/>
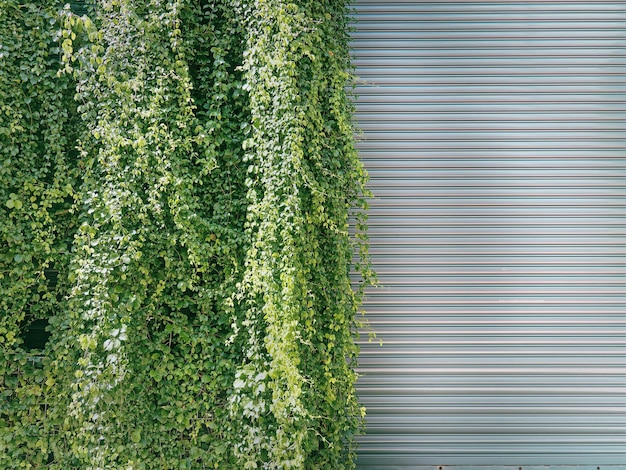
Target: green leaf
<point x="136" y="436"/>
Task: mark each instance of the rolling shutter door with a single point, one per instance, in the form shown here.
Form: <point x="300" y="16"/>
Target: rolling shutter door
<point x="495" y="137"/>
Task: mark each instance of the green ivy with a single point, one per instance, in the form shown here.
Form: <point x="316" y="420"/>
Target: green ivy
<point x="178" y="180"/>
<point x="296" y="387"/>
<point x="38" y="183"/>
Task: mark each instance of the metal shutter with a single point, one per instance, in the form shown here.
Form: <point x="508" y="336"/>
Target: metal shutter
<point x="494" y="134"/>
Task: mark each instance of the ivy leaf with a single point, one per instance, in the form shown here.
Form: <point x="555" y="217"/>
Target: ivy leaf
<point x="136" y="435"/>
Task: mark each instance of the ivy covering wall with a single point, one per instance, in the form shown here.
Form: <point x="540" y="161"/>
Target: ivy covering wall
<point x="177" y="182"/>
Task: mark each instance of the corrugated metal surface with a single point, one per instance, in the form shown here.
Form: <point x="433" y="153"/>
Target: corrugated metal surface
<point x="495" y="137"/>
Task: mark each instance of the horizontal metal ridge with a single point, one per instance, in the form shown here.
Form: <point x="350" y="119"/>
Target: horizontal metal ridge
<point x="479" y="355"/>
<point x="489" y="61"/>
<point x="441" y="47"/>
<point x="590" y="302"/>
<point x="589" y="389"/>
<point x="589" y="16"/>
<point x="557" y="7"/>
<point x="377" y="79"/>
<point x="490" y="24"/>
<point x="512" y="107"/>
<point x="522" y="436"/>
<point x="411" y="226"/>
<point x="472" y="197"/>
<point x="401" y="358"/>
<point x="454" y="89"/>
<point x="598" y="33"/>
<point x="480" y="68"/>
<point x="541" y="329"/>
<point x="503" y="278"/>
<point x="418" y="157"/>
<point x="486" y="98"/>
<point x="461" y="128"/>
<point x="502" y="184"/>
<point x="472" y="50"/>
<point x="503" y="200"/>
<point x="597" y="136"/>
<point x="518" y="209"/>
<point x="504" y="266"/>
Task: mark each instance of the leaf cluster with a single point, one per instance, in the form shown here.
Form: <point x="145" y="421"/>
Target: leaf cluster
<point x="177" y="184"/>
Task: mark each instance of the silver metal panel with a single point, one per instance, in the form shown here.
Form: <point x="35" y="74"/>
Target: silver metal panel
<point x="495" y="136"/>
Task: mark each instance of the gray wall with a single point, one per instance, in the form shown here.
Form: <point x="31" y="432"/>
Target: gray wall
<point x="494" y="134"/>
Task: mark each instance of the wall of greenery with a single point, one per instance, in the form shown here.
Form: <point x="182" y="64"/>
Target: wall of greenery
<point x="177" y="181"/>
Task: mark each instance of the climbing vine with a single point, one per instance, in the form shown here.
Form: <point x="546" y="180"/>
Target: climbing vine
<point x="178" y="180"/>
<point x="296" y="386"/>
<point x="38" y="179"/>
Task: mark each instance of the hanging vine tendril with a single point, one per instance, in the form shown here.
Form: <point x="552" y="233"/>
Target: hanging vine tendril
<point x="178" y="180"/>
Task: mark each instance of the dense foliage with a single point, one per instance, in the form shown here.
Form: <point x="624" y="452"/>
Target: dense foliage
<point x="177" y="180"/>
